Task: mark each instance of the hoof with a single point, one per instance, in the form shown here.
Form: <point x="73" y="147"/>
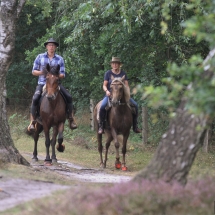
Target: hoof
<point x="118" y="165"/>
<point x="124" y="168"/>
<point x="60" y="148"/>
<point x="54" y="160"/>
<point x="35" y="159"/>
<point x="47" y="163"/>
<point x="102" y="165"/>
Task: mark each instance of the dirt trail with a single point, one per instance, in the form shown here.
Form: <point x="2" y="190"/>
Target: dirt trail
<point x="17" y="191"/>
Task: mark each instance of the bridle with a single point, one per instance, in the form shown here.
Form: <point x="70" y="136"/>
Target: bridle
<point x="118" y="102"/>
<point x="56" y="91"/>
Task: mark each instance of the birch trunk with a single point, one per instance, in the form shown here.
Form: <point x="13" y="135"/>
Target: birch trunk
<point x="9" y="13"/>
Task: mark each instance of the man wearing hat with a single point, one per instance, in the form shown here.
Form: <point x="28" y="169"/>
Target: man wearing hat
<point x="49" y="57"/>
<point x="115" y="72"/>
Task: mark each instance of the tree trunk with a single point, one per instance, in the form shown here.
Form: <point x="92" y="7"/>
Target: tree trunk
<point x="179" y="145"/>
<point x="9" y="13"/>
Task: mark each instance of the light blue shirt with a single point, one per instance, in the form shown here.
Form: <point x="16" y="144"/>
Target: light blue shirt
<point x="42" y="60"/>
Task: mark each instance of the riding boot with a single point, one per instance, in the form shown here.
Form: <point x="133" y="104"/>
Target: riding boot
<point x="101" y="127"/>
<point x="135" y="124"/>
<point x="101" y="121"/>
<point x="71" y="119"/>
<point x="31" y="127"/>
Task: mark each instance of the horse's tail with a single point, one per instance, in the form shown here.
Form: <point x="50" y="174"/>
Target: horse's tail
<point x="96" y="115"/>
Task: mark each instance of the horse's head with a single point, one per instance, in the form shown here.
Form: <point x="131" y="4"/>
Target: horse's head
<point x="118" y="91"/>
<point x="52" y="81"/>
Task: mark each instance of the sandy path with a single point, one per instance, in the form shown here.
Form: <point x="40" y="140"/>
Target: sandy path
<point x="17" y="191"/>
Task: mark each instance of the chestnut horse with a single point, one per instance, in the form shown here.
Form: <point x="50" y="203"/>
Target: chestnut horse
<point x="119" y="122"/>
<point x="53" y="115"/>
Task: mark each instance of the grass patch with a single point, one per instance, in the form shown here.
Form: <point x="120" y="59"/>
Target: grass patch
<point x="81" y="147"/>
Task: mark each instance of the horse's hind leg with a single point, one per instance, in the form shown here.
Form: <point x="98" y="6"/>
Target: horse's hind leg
<point x="60" y="147"/>
<point x="39" y="128"/>
<point x="36" y="137"/>
<point x="100" y="149"/>
<point x="107" y="145"/>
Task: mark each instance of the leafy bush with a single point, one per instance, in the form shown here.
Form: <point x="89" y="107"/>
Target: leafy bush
<point x="147" y="197"/>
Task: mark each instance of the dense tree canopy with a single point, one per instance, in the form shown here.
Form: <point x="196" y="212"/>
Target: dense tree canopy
<point x="147" y="35"/>
<point x="162" y="45"/>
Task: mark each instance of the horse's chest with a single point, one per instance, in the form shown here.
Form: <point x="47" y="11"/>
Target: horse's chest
<point x="121" y="119"/>
<point x="52" y="114"/>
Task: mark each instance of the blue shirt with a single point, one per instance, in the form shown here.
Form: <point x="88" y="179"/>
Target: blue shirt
<point x="107" y="77"/>
<point x="42" y="60"/>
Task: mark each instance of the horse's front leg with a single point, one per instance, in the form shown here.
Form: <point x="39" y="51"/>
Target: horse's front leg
<point x="116" y="143"/>
<point x="60" y="147"/>
<point x="124" y="149"/>
<point x="53" y="143"/>
<point x="47" y="143"/>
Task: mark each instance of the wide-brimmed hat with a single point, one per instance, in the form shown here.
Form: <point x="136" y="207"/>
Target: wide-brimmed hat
<point x="115" y="60"/>
<point x="51" y="40"/>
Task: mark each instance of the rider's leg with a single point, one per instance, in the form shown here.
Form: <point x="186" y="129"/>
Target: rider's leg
<point x="68" y="97"/>
<point x="71" y="119"/>
<point x="34" y="105"/>
<point x="135" y="117"/>
<point x="102" y="113"/>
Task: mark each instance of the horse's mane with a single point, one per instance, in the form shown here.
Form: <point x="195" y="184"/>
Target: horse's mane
<point x="126" y="89"/>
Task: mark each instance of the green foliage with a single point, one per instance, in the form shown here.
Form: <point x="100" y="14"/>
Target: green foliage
<point x="148" y="36"/>
<point x="186" y="79"/>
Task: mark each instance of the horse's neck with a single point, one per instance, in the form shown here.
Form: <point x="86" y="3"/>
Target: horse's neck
<point x="123" y="100"/>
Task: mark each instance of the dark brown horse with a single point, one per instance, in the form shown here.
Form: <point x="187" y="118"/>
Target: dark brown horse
<point x="119" y="122"/>
<point x="52" y="114"/>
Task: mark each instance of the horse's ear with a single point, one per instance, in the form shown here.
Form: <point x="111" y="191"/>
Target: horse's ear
<point x="123" y="78"/>
<point x="45" y="70"/>
<point x="112" y="77"/>
<point x="48" y="67"/>
<point x="58" y="67"/>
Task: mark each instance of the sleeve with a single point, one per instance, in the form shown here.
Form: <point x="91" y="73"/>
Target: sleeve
<point x="36" y="65"/>
<point x="62" y="67"/>
<point x="107" y="75"/>
<point x="126" y="77"/>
